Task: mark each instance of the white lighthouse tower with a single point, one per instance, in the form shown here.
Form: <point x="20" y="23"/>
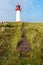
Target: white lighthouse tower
<point x="18" y="10"/>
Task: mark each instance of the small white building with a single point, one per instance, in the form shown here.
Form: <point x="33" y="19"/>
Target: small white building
<point x="3" y="22"/>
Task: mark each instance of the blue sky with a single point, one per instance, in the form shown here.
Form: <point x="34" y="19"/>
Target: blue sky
<point x="32" y="10"/>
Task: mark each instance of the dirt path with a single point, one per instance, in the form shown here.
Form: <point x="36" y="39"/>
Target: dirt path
<point x="24" y="46"/>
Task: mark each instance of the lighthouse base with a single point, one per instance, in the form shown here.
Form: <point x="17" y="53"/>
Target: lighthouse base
<point x="18" y="18"/>
<point x="18" y="21"/>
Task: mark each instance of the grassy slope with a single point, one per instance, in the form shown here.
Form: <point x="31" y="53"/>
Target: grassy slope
<point x="8" y="43"/>
<point x="34" y="33"/>
<point x="10" y="37"/>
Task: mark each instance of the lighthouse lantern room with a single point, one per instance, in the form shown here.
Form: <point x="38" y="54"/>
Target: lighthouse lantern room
<point x="18" y="10"/>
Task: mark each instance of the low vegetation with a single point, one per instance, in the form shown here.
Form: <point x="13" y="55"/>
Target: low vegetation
<point x="34" y="34"/>
<point x="10" y="38"/>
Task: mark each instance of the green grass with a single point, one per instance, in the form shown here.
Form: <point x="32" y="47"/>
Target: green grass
<point x="34" y="34"/>
<point x="10" y="38"/>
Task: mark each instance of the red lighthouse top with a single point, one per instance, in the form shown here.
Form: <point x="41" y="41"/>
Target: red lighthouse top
<point x="18" y="7"/>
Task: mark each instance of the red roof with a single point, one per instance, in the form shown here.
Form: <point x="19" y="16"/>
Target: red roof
<point x="18" y="9"/>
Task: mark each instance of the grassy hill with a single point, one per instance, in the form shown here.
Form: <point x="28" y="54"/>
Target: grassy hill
<point x="10" y="39"/>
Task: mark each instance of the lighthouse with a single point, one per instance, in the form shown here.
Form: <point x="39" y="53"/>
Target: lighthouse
<point x="18" y="10"/>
